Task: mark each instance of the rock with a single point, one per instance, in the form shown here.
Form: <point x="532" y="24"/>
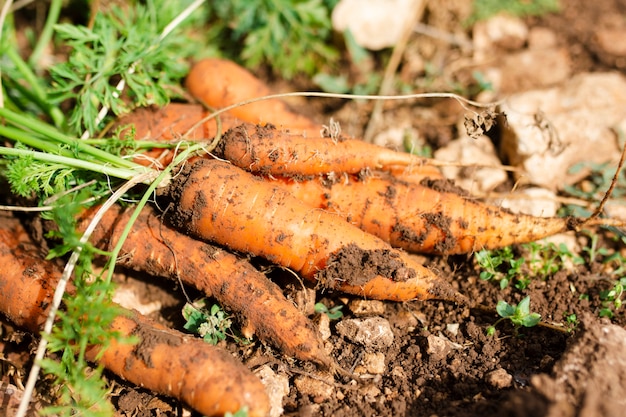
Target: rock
<point x="323" y="325"/>
<point x="549" y="130"/>
<point x="475" y="155"/>
<point x="374" y="332"/>
<point x="360" y="307"/>
<point x="374" y="363"/>
<point x="438" y="347"/>
<point x="541" y="38"/>
<point x="501" y="31"/>
<point x="535" y="201"/>
<point x="321" y="389"/>
<point x="276" y="386"/>
<point x="499" y="379"/>
<point x="611" y="41"/>
<point x="375" y="24"/>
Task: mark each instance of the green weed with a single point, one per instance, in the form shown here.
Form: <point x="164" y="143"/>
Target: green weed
<point x="484" y="9"/>
<point x="519" y="315"/>
<point x="333" y="313"/>
<point x="289" y="35"/>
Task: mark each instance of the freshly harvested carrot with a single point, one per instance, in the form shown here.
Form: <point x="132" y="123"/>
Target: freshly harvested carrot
<point x="165" y="361"/>
<point x="156" y="249"/>
<point x="173" y="121"/>
<point x="216" y="201"/>
<point x="422" y="219"/>
<point x="268" y="150"/>
<point x="220" y="83"/>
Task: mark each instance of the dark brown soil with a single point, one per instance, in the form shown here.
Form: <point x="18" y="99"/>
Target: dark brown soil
<point x="441" y="361"/>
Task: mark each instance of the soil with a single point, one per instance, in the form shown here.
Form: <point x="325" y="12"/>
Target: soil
<point x="438" y="359"/>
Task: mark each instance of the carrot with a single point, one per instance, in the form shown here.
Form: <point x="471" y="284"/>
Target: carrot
<point x="167" y="362"/>
<point x="220" y="83"/>
<point x="219" y="202"/>
<point x="422" y="219"/>
<point x="156" y="249"/>
<point x="267" y="150"/>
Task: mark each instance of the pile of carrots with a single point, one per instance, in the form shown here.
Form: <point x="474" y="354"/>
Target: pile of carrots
<point x="341" y="213"/>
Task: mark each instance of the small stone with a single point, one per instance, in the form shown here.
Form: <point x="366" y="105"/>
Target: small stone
<point x="611" y="41"/>
<point x="474" y="155"/>
<point x="535" y="201"/>
<point x="276" y="386"/>
<point x="370" y="393"/>
<point x="438" y="347"/>
<point x="367" y="307"/>
<point x="499" y="379"/>
<point x="504" y="31"/>
<point x="374" y="363"/>
<point x="323" y="325"/>
<point x="316" y="388"/>
<point x="374" y="332"/>
<point x="375" y="24"/>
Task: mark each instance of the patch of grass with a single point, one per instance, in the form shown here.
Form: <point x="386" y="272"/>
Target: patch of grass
<point x="534" y="260"/>
<point x="519" y="315"/>
<point x="484" y="9"/>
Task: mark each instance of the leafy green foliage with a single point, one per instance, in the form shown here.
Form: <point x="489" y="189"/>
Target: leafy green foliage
<point x="211" y="324"/>
<point x="519" y="315"/>
<point x="536" y="260"/>
<point x="289" y="35"/>
<point x="333" y="313"/>
<point x="122" y="43"/>
<point x="484" y="9"/>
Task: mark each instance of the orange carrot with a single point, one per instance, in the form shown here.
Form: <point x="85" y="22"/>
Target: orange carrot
<point x="220" y="83"/>
<point x="219" y="202"/>
<point x="422" y="219"/>
<point x="267" y="150"/>
<point x="165" y="361"/>
<point x="156" y="249"/>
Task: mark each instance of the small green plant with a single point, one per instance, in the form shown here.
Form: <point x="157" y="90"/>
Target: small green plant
<point x="612" y="298"/>
<point x="240" y="413"/>
<point x="484" y="9"/>
<point x="547" y="259"/>
<point x="519" y="315"/>
<point x="500" y="265"/>
<point x="334" y="313"/>
<point x="212" y="324"/>
<point x="289" y="35"/>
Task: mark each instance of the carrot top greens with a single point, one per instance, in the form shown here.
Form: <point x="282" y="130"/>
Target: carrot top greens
<point x="52" y="106"/>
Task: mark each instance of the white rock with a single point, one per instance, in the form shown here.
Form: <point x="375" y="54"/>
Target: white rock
<point x="499" y="378"/>
<point x="502" y="30"/>
<point x="360" y="307"/>
<point x="549" y="130"/>
<point x="321" y="387"/>
<point x="535" y="201"/>
<point x="374" y="332"/>
<point x="374" y="362"/>
<point x="375" y="24"/>
<point x="276" y="386"/>
<point x="476" y="157"/>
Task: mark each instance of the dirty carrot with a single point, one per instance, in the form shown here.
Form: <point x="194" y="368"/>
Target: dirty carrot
<point x="165" y="361"/>
<point x="422" y="219"/>
<point x="216" y="201"/>
<point x="220" y="83"/>
<point x="268" y="150"/>
<point x="159" y="250"/>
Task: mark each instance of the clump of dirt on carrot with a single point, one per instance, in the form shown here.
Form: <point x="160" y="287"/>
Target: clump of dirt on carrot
<point x="165" y="361"/>
<point x="219" y="202"/>
<point x="159" y="250"/>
